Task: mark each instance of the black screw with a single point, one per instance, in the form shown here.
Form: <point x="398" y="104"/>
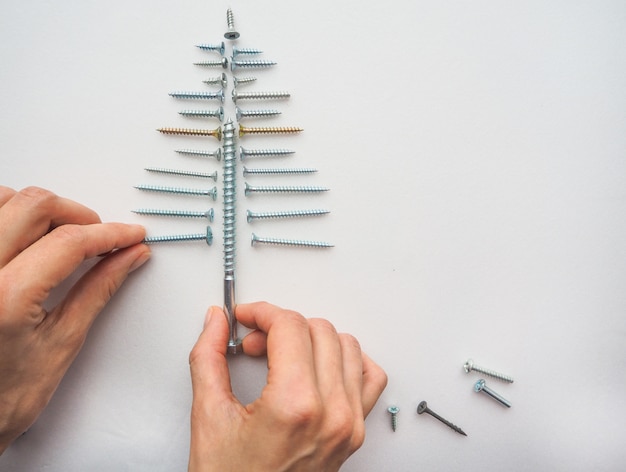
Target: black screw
<point x="423" y="408"/>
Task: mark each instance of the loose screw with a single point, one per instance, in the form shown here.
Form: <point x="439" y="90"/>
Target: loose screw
<point x="481" y="386"/>
<point x="259" y="63"/>
<point x="219" y="95"/>
<point x="216" y="133"/>
<point x="212" y="192"/>
<point x="209" y="214"/>
<point x="423" y="408"/>
<point x="188" y="173"/>
<point x="278" y="171"/>
<point x="279" y="95"/>
<point x="289" y="242"/>
<point x="199" y="153"/>
<point x="237" y="81"/>
<point x="220" y="80"/>
<point x="470" y="366"/>
<point x="231" y="33"/>
<point x="394" y="410"/>
<point x="223" y="63"/>
<point x="284" y="189"/>
<point x="251" y="216"/>
<point x="208" y="237"/>
<point x="245" y="153"/>
<point x="246" y="51"/>
<point x="243" y="130"/>
<point x="213" y="47"/>
<point x="239" y="113"/>
<point x="217" y="113"/>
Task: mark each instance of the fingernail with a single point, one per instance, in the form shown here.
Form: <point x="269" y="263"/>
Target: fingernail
<point x="141" y="260"/>
<point x="207" y="318"/>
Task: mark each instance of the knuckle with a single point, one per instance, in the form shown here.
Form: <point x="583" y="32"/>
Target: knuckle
<point x="303" y="411"/>
<point x="350" y="341"/>
<point x="71" y="235"/>
<point x="37" y="197"/>
<point x="323" y="325"/>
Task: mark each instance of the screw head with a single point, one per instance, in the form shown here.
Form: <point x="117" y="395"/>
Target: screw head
<point x="421" y="408"/>
<point x="231" y="34"/>
<point x="478" y="386"/>
<point x="209" y="235"/>
<point x="224" y="63"/>
<point x="393" y="410"/>
<point x="220" y="114"/>
<point x="468" y="366"/>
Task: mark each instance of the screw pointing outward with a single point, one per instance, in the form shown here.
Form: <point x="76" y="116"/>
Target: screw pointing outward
<point x="283" y="189"/>
<point x="279" y="95"/>
<point x="223" y="63"/>
<point x="188" y="173"/>
<point x="283" y="214"/>
<point x="243" y="152"/>
<point x="217" y="154"/>
<point x="423" y="408"/>
<point x="213" y="47"/>
<point x="269" y="130"/>
<point x="219" y="95"/>
<point x="480" y="386"/>
<point x="394" y="410"/>
<point x="208" y="237"/>
<point x="216" y="133"/>
<point x="470" y="366"/>
<point x="212" y="192"/>
<point x="289" y="242"/>
<point x="231" y="33"/>
<point x="209" y="214"/>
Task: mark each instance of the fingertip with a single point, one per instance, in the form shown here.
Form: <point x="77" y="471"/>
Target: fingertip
<point x="144" y="255"/>
<point x="255" y="344"/>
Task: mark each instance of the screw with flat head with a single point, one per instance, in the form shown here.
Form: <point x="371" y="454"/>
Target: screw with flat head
<point x="207" y="236"/>
<point x="216" y="133"/>
<point x="423" y="408"/>
<point x="283" y="189"/>
<point x="217" y="113"/>
<point x="288" y="242"/>
<point x="231" y="33"/>
<point x="209" y="214"/>
<point x="243" y="130"/>
<point x="212" y="192"/>
<point x="213" y="47"/>
<point x="217" y="154"/>
<point x="251" y="216"/>
<point x="394" y="410"/>
<point x="481" y="386"/>
<point x="187" y="173"/>
<point x="219" y="95"/>
<point x="245" y="153"/>
<point x="470" y="366"/>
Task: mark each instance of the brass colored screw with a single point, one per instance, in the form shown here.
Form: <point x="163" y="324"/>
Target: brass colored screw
<point x="243" y="130"/>
<point x="216" y="133"/>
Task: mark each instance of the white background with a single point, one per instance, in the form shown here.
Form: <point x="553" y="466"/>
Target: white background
<point x="475" y="152"/>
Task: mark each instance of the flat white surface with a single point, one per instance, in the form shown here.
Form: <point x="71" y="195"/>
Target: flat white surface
<point x="475" y="152"/>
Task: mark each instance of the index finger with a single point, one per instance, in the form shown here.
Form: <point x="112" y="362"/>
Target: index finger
<point x="289" y="348"/>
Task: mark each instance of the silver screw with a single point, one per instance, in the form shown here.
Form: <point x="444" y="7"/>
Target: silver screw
<point x="237" y="81"/>
<point x="213" y="47"/>
<point x="209" y="214"/>
<point x="246" y="51"/>
<point x="199" y="153"/>
<point x="280" y="95"/>
<point x="423" y="408"/>
<point x="394" y="410"/>
<point x="217" y="113"/>
<point x="244" y="153"/>
<point x="481" y="386"/>
<point x="251" y="216"/>
<point x="278" y="171"/>
<point x="239" y="113"/>
<point x="219" y="95"/>
<point x="220" y="80"/>
<point x="258" y="63"/>
<point x="223" y="63"/>
<point x="231" y="33"/>
<point x="179" y="190"/>
<point x="208" y="237"/>
<point x="470" y="366"/>
<point x="289" y="242"/>
<point x="284" y="189"/>
<point x="187" y="173"/>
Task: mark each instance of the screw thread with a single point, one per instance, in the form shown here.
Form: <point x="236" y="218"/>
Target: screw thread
<point x="217" y="113"/>
<point x="188" y="173"/>
<point x="254" y="113"/>
<point x="284" y="214"/>
<point x="243" y="153"/>
<point x="200" y="153"/>
<point x="493" y="373"/>
<point x="216" y="133"/>
<point x="289" y="242"/>
<point x="219" y="80"/>
<point x="230" y="196"/>
<point x="179" y="190"/>
<point x="212" y="47"/>
<point x="278" y="171"/>
<point x="284" y="189"/>
<point x="423" y="408"/>
<point x="230" y="21"/>
<point x="223" y="63"/>
<point x="243" y="130"/>
<point x="219" y="95"/>
<point x="246" y="51"/>
<point x="258" y="63"/>
<point x="242" y="80"/>
<point x="278" y="95"/>
<point x="208" y="237"/>
<point x="209" y="214"/>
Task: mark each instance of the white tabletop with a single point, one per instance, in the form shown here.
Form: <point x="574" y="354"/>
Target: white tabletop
<point x="475" y="155"/>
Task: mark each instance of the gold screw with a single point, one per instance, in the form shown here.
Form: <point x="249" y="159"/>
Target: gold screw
<point x="216" y="133"/>
<point x="269" y="130"/>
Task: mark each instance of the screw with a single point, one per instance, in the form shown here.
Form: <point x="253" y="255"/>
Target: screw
<point x="256" y="63"/>
<point x="246" y="51"/>
<point x="394" y="410"/>
<point x="219" y="80"/>
<point x="243" y="153"/>
<point x="243" y="130"/>
<point x="470" y="366"/>
<point x="223" y="63"/>
<point x="219" y="95"/>
<point x="209" y="214"/>
<point x="239" y="113"/>
<point x="208" y="237"/>
<point x="251" y="216"/>
<point x="231" y="33"/>
<point x="259" y="95"/>
<point x="179" y="190"/>
<point x="217" y="113"/>
<point x="278" y="171"/>
<point x="423" y="408"/>
<point x="216" y="133"/>
<point x="196" y="152"/>
<point x="289" y="242"/>
<point x="284" y="189"/>
<point x="212" y="47"/>
<point x="187" y="173"/>
<point x="242" y="80"/>
<point x="480" y="386"/>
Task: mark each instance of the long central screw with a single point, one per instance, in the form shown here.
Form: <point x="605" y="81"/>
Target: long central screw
<point x="423" y="408"/>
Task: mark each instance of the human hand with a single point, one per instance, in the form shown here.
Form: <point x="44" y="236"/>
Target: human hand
<point x="44" y="240"/>
<point x="310" y="415"/>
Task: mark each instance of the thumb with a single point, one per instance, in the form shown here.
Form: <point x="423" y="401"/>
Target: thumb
<point x="210" y="377"/>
